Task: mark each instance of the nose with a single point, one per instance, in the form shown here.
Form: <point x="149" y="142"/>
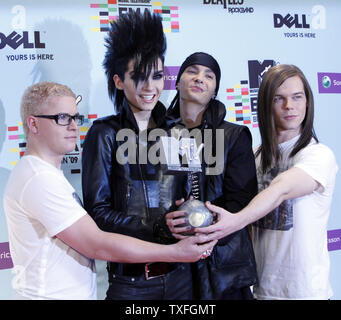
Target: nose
<point x="147" y="84"/>
<point x="198" y="77"/>
<point x="74" y="124"/>
<point x="288" y="104"/>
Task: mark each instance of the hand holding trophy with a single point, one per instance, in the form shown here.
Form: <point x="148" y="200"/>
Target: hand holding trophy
<point x="197" y="214"/>
<point x="192" y="213"/>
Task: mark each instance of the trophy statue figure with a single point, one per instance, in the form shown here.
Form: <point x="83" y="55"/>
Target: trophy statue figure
<point x="197" y="214"/>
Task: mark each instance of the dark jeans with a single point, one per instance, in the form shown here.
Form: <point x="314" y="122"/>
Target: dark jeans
<point x="175" y="285"/>
<point x="239" y="294"/>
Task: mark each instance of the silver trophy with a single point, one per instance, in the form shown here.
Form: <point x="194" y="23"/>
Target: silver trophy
<point x="180" y="156"/>
<point x="197" y="214"/>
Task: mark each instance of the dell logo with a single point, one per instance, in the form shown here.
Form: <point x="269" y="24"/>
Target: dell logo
<point x="14" y="40"/>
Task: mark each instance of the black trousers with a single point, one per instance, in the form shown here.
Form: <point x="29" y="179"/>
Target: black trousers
<point x="238" y="294"/>
<point x="175" y="285"/>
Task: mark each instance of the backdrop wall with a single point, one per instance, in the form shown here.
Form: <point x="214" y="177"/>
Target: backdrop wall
<point x="63" y="42"/>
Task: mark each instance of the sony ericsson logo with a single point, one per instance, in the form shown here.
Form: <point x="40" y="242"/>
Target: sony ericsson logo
<point x="329" y="82"/>
<point x="170" y="76"/>
<point x="5" y="256"/>
<point x="326" y="82"/>
<point x="26" y="39"/>
<point x="301" y="21"/>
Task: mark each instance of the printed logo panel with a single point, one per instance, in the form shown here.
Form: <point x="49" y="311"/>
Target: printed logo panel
<point x="329" y="82"/>
<point x="110" y="10"/>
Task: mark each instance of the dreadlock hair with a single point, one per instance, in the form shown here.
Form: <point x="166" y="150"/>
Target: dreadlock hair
<point x="133" y="36"/>
<point x="272" y="80"/>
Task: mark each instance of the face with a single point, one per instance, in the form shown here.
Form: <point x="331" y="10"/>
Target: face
<point x="197" y="84"/>
<point x="289" y="106"/>
<point x="146" y="94"/>
<point x="54" y="139"/>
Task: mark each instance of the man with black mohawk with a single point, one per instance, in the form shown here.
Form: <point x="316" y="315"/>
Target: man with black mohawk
<point x="132" y="198"/>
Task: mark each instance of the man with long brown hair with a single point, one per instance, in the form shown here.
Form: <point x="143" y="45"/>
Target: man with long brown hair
<point x="296" y="177"/>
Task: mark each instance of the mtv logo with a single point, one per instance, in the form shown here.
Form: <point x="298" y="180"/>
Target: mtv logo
<point x="180" y="156"/>
<point x="257" y="71"/>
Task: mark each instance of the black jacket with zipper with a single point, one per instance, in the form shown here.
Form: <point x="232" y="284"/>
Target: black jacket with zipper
<point x="232" y="264"/>
<point x="130" y="198"/>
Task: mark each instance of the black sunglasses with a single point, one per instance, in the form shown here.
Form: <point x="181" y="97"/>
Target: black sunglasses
<point x="64" y="119"/>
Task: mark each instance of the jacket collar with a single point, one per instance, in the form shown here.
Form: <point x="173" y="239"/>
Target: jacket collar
<point x="213" y="116"/>
<point x="127" y="118"/>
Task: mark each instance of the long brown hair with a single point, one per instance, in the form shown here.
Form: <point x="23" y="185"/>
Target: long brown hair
<point x="272" y="80"/>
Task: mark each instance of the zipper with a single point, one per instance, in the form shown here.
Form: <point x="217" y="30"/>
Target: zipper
<point x="145" y="191"/>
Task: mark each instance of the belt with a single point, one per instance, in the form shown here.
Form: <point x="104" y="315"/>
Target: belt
<point x="148" y="270"/>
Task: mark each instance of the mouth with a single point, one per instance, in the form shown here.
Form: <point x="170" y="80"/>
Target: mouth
<point x="147" y="98"/>
<point x="291" y="117"/>
<point x="196" y="89"/>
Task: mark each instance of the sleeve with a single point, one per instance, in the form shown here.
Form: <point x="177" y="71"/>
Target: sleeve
<point x="319" y="162"/>
<point x="240" y="180"/>
<point x="97" y="165"/>
<point x="50" y="199"/>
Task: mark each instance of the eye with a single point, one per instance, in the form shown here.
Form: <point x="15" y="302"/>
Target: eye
<point x="191" y="71"/>
<point x="278" y="100"/>
<point x="158" y="76"/>
<point x="63" y="116"/>
<point x="297" y="97"/>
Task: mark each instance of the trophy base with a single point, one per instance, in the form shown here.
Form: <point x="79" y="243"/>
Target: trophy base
<point x="197" y="214"/>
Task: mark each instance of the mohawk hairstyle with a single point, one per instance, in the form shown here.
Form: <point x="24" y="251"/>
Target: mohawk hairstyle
<point x="133" y="36"/>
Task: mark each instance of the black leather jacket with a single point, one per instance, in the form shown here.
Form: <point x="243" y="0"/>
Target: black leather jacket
<point x="129" y="198"/>
<point x="232" y="263"/>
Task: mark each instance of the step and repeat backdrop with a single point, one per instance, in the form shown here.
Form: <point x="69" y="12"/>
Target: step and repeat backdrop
<point x="63" y="41"/>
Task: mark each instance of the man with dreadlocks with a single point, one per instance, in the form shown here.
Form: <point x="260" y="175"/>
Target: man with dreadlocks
<point x="132" y="197"/>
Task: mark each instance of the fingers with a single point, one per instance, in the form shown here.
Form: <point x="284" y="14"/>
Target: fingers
<point x="214" y="208"/>
<point x="204" y="238"/>
<point x="175" y="214"/>
<point x="207" y="246"/>
<point x="206" y="230"/>
<point x="176" y="222"/>
<point x="179" y="202"/>
<point x="186" y="229"/>
<point x="180" y="236"/>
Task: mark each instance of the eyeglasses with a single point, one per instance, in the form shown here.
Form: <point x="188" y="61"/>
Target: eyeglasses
<point x="64" y="119"/>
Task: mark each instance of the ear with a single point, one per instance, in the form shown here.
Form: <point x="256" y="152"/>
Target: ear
<point x="32" y="124"/>
<point x="118" y="82"/>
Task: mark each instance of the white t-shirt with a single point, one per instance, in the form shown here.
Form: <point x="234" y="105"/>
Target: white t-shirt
<point x="290" y="243"/>
<point x="39" y="203"/>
